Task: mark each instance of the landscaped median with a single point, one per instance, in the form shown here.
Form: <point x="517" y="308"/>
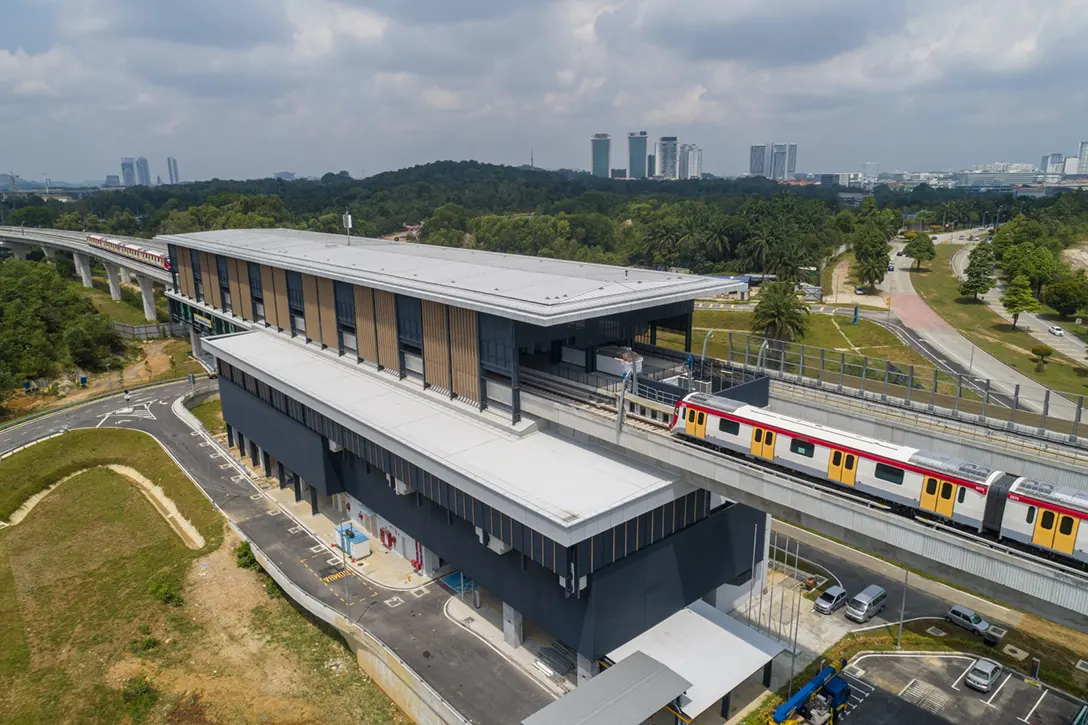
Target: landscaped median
<point x="1057" y="668"/>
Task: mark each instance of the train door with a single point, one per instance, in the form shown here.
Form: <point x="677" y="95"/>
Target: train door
<point x="946" y="498"/>
<point x="930" y="486"/>
<point x="1045" y="524"/>
<point x="1065" y="535"/>
<point x="695" y="423"/>
<point x="842" y="467"/>
<point x="763" y="443"/>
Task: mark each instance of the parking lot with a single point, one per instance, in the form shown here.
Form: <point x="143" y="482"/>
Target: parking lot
<point x="929" y="690"/>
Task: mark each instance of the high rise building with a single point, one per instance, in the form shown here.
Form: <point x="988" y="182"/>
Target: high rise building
<point x="689" y="162"/>
<point x="870" y="169"/>
<point x="601" y="148"/>
<point x="791" y="160"/>
<point x="172" y="170"/>
<point x="779" y="159"/>
<point x="128" y="171"/>
<point x="667" y="157"/>
<point x="1082" y="158"/>
<point x="636" y="154"/>
<point x="757" y="162"/>
<point x="1072" y="166"/>
<point x="651" y="165"/>
<point x="143" y="172"/>
<point x="113" y="180"/>
<point x="682" y="161"/>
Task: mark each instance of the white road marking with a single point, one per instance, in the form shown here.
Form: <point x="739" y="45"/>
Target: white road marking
<point x="1027" y="717"/>
<point x="962" y="676"/>
<point x="907" y="687"/>
<point x="990" y="701"/>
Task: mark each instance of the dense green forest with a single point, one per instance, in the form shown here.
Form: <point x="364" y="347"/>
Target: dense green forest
<point x="708" y="226"/>
<point x="45" y="326"/>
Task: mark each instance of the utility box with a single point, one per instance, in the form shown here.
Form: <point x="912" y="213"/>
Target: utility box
<point x="352" y="540"/>
<point x="618" y="360"/>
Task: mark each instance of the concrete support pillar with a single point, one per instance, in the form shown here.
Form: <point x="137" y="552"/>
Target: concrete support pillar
<point x="126" y="276"/>
<point x="49" y="252"/>
<point x="147" y="292"/>
<point x="512" y="632"/>
<point x="587" y="668"/>
<point x="194" y="340"/>
<point x="18" y="250"/>
<point x="113" y="274"/>
<point x="83" y="264"/>
<point x="313" y="501"/>
<point x="280" y="475"/>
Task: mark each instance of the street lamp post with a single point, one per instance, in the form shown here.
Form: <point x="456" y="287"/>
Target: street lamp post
<point x="702" y="358"/>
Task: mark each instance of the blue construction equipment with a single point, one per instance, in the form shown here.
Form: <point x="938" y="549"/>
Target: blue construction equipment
<point x="822" y="701"/>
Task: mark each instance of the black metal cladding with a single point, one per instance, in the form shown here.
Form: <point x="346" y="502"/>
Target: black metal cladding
<point x="345" y="303"/>
<point x="221" y="268"/>
<point x="497" y="344"/>
<point x="410" y="320"/>
<point x="172" y="253"/>
<point x="194" y="259"/>
<point x="294" y="291"/>
<point x="590" y="555"/>
<point x="255" y="288"/>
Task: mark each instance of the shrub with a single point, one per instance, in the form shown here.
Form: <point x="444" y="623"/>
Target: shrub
<point x="143" y="645"/>
<point x="139" y="697"/>
<point x="244" y="558"/>
<point x="166" y="588"/>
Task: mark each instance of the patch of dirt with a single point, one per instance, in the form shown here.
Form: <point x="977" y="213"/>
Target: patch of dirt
<point x="842" y="286"/>
<point x="1077" y="257"/>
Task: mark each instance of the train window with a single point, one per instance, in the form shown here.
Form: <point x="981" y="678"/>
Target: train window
<point x="946" y="490"/>
<point x="1031" y="514"/>
<point x="849" y="465"/>
<point x="731" y="427"/>
<point x="891" y="474"/>
<point x="931" y="486"/>
<point x="836" y="459"/>
<point x="963" y="494"/>
<point x="759" y="435"/>
<point x="768" y="439"/>
<point x="1065" y="526"/>
<point x="802" y="448"/>
<point x="691" y="415"/>
<point x="702" y="418"/>
<point x="1048" y="520"/>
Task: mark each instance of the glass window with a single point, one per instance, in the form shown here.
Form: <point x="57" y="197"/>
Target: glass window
<point x="1065" y="527"/>
<point x="1031" y="514"/>
<point x="254" y="270"/>
<point x="730" y="427"/>
<point x="298" y="325"/>
<point x="836" y="458"/>
<point x="258" y="311"/>
<point x="691" y="415"/>
<point x="891" y="474"/>
<point x="199" y="290"/>
<point x="226" y="301"/>
<point x="348" y="343"/>
<point x="963" y="494"/>
<point x="931" y="486"/>
<point x="769" y="439"/>
<point x="759" y="435"/>
<point x="849" y="465"/>
<point x="702" y="418"/>
<point x="802" y="448"/>
<point x="1048" y="520"/>
<point x="946" y="490"/>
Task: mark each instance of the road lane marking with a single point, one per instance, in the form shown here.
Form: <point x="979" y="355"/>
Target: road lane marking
<point x="990" y="701"/>
<point x="1027" y="717"/>
<point x="962" y="676"/>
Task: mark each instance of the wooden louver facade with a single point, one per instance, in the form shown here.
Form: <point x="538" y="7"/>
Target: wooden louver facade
<point x="211" y="286"/>
<point x="185" y="273"/>
<point x="465" y="353"/>
<point x="385" y="317"/>
<point x="326" y="302"/>
<point x="268" y="291"/>
<point x="365" y="332"/>
<point x="436" y="346"/>
<point x="283" y="314"/>
<point x="310" y="308"/>
<point x="243" y="301"/>
<point x="235" y="287"/>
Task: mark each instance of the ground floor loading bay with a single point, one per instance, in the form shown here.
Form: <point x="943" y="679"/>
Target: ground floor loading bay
<point x="592" y="548"/>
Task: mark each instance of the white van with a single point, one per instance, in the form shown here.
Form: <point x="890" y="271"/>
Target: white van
<point x="864" y="606"/>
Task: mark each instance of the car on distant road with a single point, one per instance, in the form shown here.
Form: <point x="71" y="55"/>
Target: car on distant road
<point x="832" y="599"/>
<point x="934" y="238"/>
<point x="899" y="253"/>
<point x="983" y="674"/>
<point x="967" y="618"/>
<point x="891" y="267"/>
<point x="859" y="290"/>
<point x="1055" y="330"/>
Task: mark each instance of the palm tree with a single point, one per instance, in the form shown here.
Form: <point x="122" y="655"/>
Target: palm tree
<point x="872" y="270"/>
<point x="780" y="314"/>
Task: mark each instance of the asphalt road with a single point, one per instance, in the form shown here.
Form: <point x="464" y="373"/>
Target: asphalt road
<point x="483" y="686"/>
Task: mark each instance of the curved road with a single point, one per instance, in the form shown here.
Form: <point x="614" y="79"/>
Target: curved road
<point x="483" y="686"/>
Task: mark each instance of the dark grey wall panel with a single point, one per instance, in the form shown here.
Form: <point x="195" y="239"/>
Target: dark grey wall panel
<point x="299" y="448"/>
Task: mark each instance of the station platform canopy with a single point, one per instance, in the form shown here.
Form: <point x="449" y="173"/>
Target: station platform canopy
<point x="706" y="647"/>
<point x="626" y="694"/>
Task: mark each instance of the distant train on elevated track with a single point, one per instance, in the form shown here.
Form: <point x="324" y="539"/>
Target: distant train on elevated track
<point x="126" y="249"/>
<point x="994" y="503"/>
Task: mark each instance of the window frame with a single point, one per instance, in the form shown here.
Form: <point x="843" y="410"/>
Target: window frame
<point x="802" y="448"/>
<point x="883" y="471"/>
<point x="729" y="427"/>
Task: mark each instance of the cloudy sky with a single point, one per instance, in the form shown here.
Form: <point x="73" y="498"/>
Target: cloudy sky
<point x="243" y="88"/>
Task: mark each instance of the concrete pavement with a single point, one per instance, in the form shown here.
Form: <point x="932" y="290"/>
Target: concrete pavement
<point x="465" y="671"/>
<point x="1038" y="328"/>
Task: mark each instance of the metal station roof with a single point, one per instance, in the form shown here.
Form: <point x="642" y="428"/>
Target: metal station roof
<point x="536" y="290"/>
<point x="706" y="646"/>
<point x="626" y="694"/>
<point x="557" y="487"/>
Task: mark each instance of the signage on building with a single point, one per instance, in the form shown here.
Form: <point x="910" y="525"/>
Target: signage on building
<point x="202" y="320"/>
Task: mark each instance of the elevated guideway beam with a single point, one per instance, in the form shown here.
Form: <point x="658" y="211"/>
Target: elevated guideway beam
<point x="1010" y="575"/>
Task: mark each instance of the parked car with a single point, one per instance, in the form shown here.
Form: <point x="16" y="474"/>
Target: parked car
<point x="899" y="253"/>
<point x="967" y="618"/>
<point x="832" y="598"/>
<point x="983" y="675"/>
<point x="934" y="238"/>
<point x="859" y="290"/>
<point x="1055" y="330"/>
<point x="867" y="604"/>
<point x="891" y="267"/>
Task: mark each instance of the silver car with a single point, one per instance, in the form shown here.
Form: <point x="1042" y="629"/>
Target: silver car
<point x="967" y="618"/>
<point x="983" y="675"/>
<point x="832" y="599"/>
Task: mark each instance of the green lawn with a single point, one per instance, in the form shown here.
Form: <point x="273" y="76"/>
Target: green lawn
<point x="210" y="415"/>
<point x="117" y="310"/>
<point x="976" y="321"/>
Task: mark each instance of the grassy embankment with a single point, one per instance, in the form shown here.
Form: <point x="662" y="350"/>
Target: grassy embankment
<point x="128" y="310"/>
<point x="937" y="284"/>
<point x="109" y="617"/>
<point x="210" y="415"/>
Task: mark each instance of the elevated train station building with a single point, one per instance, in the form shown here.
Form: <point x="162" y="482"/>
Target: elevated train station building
<point x="382" y="382"/>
